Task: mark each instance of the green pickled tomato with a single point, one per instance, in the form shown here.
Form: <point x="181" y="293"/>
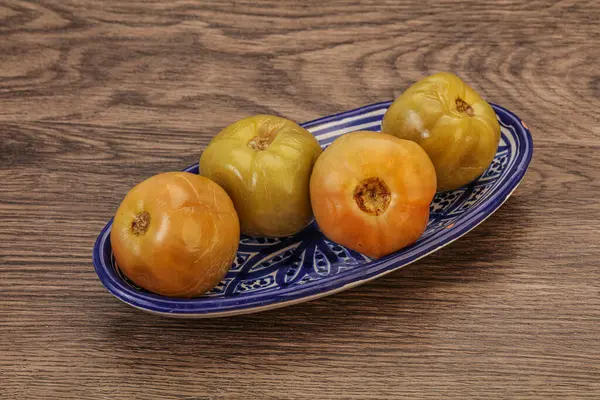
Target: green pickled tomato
<point x="454" y="125"/>
<point x="264" y="163"/>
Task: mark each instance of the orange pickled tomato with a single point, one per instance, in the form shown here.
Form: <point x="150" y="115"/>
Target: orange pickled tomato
<point x="176" y="234"/>
<point x="371" y="192"/>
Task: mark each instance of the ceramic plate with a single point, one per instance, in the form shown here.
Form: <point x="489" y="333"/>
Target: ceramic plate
<point x="271" y="273"/>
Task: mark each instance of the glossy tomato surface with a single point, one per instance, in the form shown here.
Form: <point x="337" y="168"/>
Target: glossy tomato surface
<point x="456" y="127"/>
<point x="371" y="192"/>
<point x="264" y="163"/>
<point x="175" y="234"/>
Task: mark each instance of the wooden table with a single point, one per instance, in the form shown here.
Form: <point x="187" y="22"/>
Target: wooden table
<point x="95" y="96"/>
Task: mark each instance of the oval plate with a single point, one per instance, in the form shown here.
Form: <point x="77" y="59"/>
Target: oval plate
<point x="272" y="273"/>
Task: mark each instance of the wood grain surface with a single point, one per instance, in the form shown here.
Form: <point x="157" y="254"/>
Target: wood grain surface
<point x="96" y="96"/>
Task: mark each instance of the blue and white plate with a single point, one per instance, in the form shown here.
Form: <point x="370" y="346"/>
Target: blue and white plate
<point x="271" y="273"/>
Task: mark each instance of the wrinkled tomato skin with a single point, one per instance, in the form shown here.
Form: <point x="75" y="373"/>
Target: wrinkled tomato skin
<point x="400" y="165"/>
<point x="264" y="163"/>
<point x="190" y="234"/>
<point x="457" y="128"/>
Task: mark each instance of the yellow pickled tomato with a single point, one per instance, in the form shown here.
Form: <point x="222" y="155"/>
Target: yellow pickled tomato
<point x="264" y="163"/>
<point x="454" y="125"/>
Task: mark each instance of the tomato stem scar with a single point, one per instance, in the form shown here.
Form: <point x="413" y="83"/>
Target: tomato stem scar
<point x="372" y="196"/>
<point x="140" y="224"/>
<point x="463" y="106"/>
<point x="265" y="136"/>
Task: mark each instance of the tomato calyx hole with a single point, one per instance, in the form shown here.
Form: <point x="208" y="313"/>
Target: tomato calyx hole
<point x="140" y="223"/>
<point x="259" y="143"/>
<point x="267" y="131"/>
<point x="372" y="196"/>
<point x="464" y="107"/>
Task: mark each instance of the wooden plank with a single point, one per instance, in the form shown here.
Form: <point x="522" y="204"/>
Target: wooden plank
<point x="96" y="96"/>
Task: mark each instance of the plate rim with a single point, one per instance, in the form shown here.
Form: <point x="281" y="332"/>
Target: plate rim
<point x="316" y="289"/>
